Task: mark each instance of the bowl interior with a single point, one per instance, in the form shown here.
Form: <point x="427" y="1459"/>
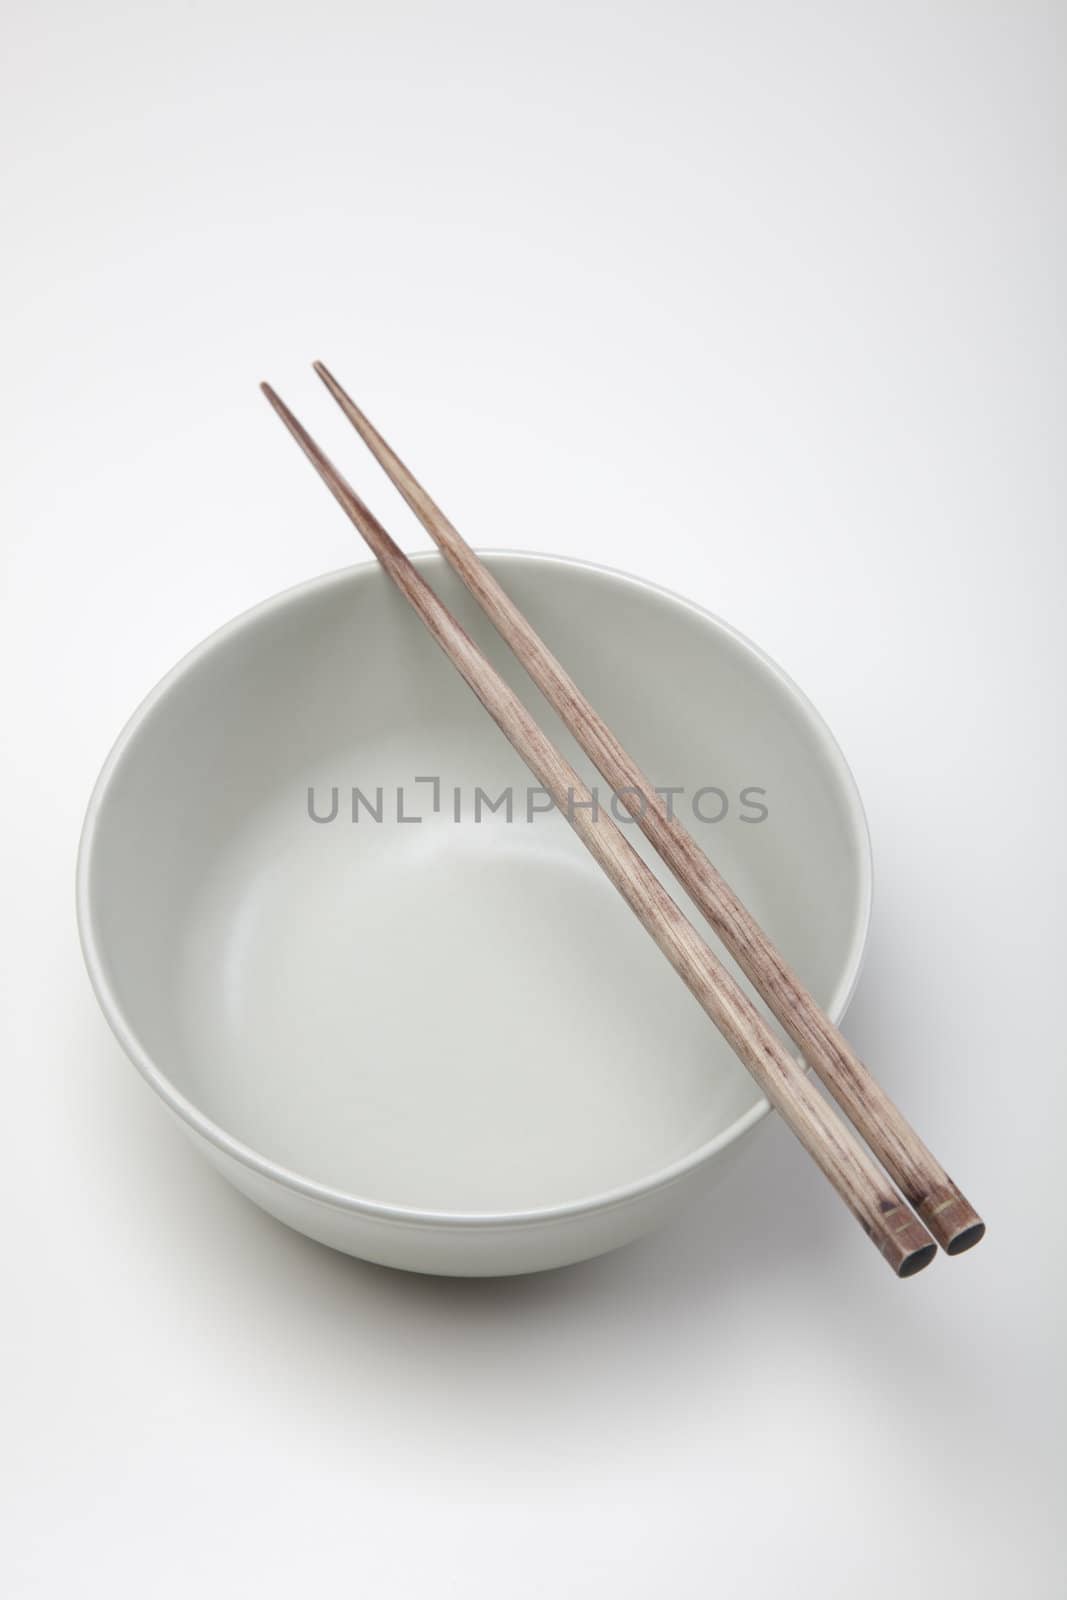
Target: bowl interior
<point x="454" y="1014"/>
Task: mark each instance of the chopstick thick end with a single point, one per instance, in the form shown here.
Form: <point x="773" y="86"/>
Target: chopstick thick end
<point x="916" y="1260"/>
<point x="903" y="1241"/>
<point x="952" y="1220"/>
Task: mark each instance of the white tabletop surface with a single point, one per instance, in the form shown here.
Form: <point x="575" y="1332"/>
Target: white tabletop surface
<point x="764" y="303"/>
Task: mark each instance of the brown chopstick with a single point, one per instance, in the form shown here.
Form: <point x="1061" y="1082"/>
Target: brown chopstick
<point x="950" y="1217"/>
<point x="881" y="1212"/>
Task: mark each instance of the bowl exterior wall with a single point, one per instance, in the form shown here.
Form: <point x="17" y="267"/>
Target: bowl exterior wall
<point x="474" y="1249"/>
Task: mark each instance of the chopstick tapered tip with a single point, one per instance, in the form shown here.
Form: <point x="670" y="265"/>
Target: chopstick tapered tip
<point x="281" y="408"/>
<point x="323" y="371"/>
<point x="394" y="467"/>
<point x="300" y="434"/>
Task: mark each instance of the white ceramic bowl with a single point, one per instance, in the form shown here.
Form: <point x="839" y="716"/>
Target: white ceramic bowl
<point x="447" y="1045"/>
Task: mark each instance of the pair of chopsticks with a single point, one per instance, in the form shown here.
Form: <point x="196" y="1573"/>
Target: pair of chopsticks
<point x="899" y="1223"/>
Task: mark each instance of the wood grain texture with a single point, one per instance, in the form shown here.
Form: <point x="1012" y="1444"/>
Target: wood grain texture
<point x="880" y="1210"/>
<point x="949" y="1216"/>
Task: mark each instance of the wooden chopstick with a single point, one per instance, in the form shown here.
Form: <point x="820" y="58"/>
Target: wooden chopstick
<point x="881" y="1212"/>
<point x="949" y="1216"/>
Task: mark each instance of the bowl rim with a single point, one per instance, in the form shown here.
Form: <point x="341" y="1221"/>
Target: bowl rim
<point x="245" y="1155"/>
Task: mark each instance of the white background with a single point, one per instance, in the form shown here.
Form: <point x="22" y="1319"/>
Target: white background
<point x="762" y="302"/>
